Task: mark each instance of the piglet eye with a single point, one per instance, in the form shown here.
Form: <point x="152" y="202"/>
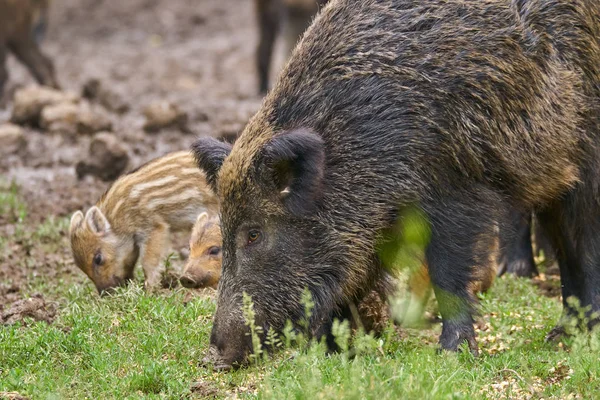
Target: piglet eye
<point x="98" y="260"/>
<point x="214" y="251"/>
<point x="253" y="236"/>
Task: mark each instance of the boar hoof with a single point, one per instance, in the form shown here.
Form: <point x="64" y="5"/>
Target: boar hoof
<point x="524" y="267"/>
<point x="454" y="334"/>
<point x="556" y="334"/>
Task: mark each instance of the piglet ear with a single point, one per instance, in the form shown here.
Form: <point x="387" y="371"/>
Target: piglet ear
<point x="76" y="221"/>
<point x="96" y="221"/>
<point x="210" y="154"/>
<point x="296" y="165"/>
<point x="202" y="218"/>
<point x="198" y="228"/>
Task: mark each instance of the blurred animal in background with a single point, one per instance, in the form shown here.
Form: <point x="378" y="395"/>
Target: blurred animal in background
<point x="135" y="217"/>
<point x="296" y="15"/>
<point x="23" y="24"/>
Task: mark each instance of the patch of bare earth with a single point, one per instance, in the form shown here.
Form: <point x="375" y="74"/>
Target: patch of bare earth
<point x="156" y="74"/>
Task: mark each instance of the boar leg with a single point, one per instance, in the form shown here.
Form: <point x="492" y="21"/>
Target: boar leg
<point x="574" y="230"/>
<point x="463" y="231"/>
<point x="154" y="253"/>
<point x="542" y="243"/>
<point x="3" y="71"/>
<point x="269" y="14"/>
<point x="40" y="66"/>
<point x="516" y="250"/>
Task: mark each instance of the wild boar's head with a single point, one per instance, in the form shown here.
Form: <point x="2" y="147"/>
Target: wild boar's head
<point x="274" y="244"/>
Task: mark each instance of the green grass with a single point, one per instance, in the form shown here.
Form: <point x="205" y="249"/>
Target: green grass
<point x="52" y="229"/>
<point x="11" y="206"/>
<point x="135" y="345"/>
<point x="138" y="345"/>
<point x="128" y="345"/>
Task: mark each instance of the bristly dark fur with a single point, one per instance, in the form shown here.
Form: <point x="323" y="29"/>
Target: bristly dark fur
<point x="210" y="154"/>
<point x="466" y="109"/>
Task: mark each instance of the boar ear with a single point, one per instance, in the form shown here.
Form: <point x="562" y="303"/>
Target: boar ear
<point x="210" y="154"/>
<point x="296" y="160"/>
<point x="198" y="227"/>
<point x="76" y="221"/>
<point x="202" y="218"/>
<point x="96" y="221"/>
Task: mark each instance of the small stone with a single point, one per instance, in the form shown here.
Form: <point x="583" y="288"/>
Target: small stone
<point x="12" y="139"/>
<point x="60" y="117"/>
<point x="162" y="115"/>
<point x="74" y="118"/>
<point x="107" y="158"/>
<point x="94" y="90"/>
<point x="91" y="120"/>
<point x="29" y="102"/>
<point x="34" y="307"/>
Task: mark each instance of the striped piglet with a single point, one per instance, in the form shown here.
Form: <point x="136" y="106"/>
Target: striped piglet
<point x="135" y="217"/>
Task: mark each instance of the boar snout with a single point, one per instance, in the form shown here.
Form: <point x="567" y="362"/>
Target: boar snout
<point x="110" y="287"/>
<point x="230" y="344"/>
<point x="199" y="279"/>
<point x="214" y="359"/>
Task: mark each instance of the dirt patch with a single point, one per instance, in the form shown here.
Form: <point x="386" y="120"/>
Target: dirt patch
<point x="549" y="285"/>
<point x="205" y="390"/>
<point x="205" y="293"/>
<point x="121" y="58"/>
<point x="8" y="294"/>
<point x="34" y="307"/>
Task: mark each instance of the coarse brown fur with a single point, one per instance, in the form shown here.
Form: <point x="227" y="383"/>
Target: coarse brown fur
<point x="467" y="110"/>
<point x="135" y="216"/>
<point x="22" y="22"/>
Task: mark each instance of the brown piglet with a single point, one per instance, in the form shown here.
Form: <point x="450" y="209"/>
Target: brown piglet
<point x="134" y="218"/>
<point x="203" y="268"/>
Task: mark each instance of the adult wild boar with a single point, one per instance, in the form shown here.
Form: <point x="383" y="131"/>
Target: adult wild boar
<point x="464" y="109"/>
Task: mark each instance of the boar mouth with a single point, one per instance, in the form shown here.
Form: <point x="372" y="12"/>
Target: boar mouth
<point x="215" y="359"/>
<point x="193" y="281"/>
<point x="111" y="287"/>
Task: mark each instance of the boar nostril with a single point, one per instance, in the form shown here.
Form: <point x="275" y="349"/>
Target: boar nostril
<point x="214" y="359"/>
<point x="217" y="365"/>
<point x="187" y="281"/>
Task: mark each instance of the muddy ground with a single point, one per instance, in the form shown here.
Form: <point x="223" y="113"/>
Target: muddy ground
<point x="197" y="54"/>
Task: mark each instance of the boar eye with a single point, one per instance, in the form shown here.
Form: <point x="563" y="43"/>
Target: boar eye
<point x="253" y="236"/>
<point x="214" y="251"/>
<point x="98" y="260"/>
